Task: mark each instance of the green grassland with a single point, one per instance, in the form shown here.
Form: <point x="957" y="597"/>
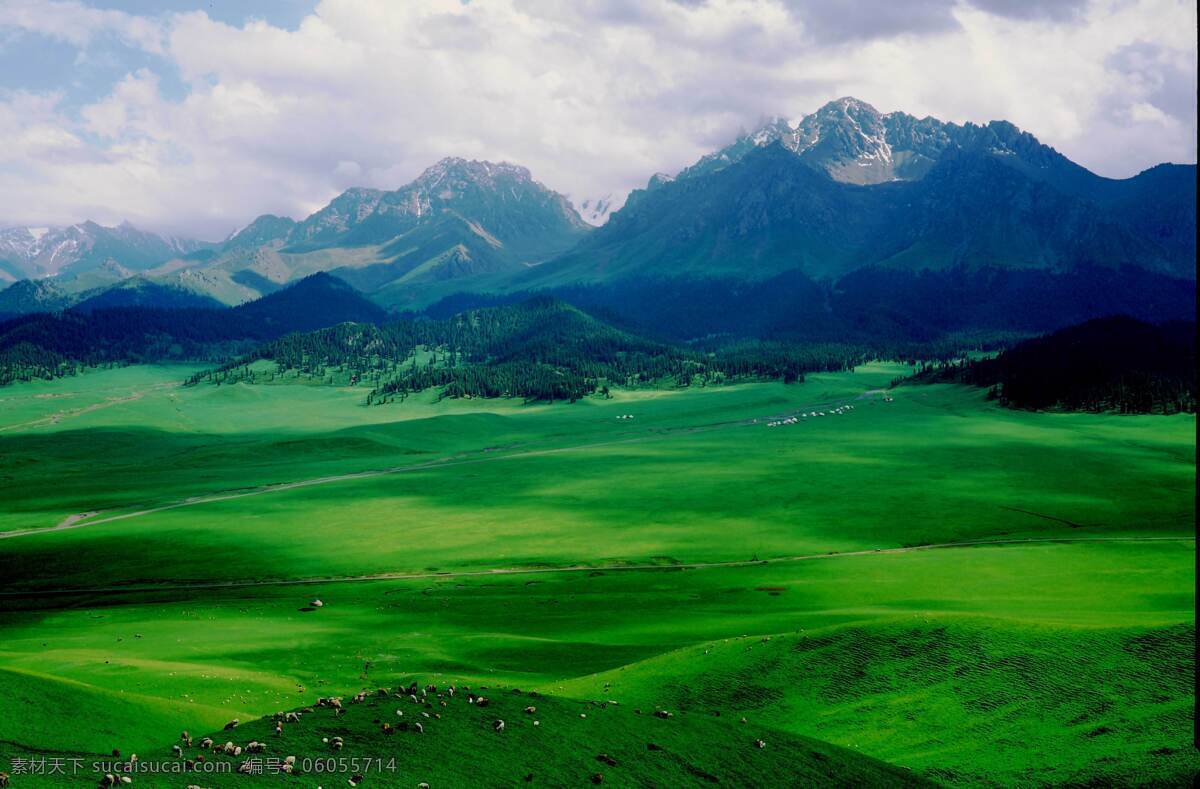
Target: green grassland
<point x="691" y="558"/>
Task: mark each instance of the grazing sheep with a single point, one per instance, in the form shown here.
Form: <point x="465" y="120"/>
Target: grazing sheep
<point x="231" y="725"/>
<point x="419" y="728"/>
<point x="292" y="717"/>
<point x="451" y="691"/>
<point x="186" y="738"/>
<point x="336" y="743"/>
<point x="108" y="780"/>
<point x="256" y="747"/>
<point x="316" y="604"/>
<point x="530" y="710"/>
<point x="355" y="780"/>
<point x="759" y="744"/>
<point x="604" y="757"/>
<point x="597" y="778"/>
<point x="498" y="725"/>
<point x="481" y="701"/>
<point x="381" y="692"/>
<point x="206" y="743"/>
<point x="278" y="728"/>
<point x="3" y="779"/>
<point x="537" y="723"/>
<point x="176" y="750"/>
<point x="125" y="779"/>
<point x="663" y="714"/>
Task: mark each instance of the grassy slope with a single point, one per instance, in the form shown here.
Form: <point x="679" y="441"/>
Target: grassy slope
<point x="935" y="687"/>
<point x="852" y="482"/>
<point x="460" y="745"/>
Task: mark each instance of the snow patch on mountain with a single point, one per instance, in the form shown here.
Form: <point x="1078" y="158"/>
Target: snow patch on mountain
<point x="596" y="210"/>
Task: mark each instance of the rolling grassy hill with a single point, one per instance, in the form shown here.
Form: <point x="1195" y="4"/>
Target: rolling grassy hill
<point x="561" y="742"/>
<point x="1055" y="652"/>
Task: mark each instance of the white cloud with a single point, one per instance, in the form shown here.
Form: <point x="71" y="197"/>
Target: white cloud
<point x="592" y="96"/>
<point x="76" y="23"/>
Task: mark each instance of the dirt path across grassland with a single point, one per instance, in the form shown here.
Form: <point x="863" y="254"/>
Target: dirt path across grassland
<point x="58" y="416"/>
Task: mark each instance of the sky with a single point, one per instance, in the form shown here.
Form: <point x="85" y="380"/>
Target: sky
<point x="191" y="118"/>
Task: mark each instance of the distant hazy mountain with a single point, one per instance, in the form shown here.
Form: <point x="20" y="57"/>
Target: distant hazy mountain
<point x="498" y="203"/>
<point x="40" y="252"/>
<point x="458" y="225"/>
<point x="265" y="230"/>
<point x="793" y="224"/>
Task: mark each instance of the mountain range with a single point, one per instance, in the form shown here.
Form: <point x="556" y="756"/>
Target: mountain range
<point x="848" y="220"/>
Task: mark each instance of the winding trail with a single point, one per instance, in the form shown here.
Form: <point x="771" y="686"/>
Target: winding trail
<point x="578" y="568"/>
<point x="58" y="416"/>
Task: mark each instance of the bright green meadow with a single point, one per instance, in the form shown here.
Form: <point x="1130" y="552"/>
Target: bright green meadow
<point x="923" y="587"/>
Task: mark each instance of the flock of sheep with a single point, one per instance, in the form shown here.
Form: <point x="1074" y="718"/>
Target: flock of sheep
<point x="427" y="701"/>
<point x="791" y="420"/>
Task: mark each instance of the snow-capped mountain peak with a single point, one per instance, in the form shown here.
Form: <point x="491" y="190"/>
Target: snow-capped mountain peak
<point x="853" y="142"/>
<point x="37" y="252"/>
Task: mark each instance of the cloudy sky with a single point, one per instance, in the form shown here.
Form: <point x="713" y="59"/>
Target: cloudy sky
<point x="192" y="117"/>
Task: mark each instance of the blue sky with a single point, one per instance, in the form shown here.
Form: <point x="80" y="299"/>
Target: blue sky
<point x="194" y="117"/>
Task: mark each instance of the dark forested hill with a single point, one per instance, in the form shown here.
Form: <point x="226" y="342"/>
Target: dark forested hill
<point x="45" y="345"/>
<point x="542" y="349"/>
<point x="1109" y="364"/>
<point x="141" y="292"/>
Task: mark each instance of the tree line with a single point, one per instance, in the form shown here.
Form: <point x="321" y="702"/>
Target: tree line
<point x="542" y="349"/>
<point x="1117" y="364"/>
